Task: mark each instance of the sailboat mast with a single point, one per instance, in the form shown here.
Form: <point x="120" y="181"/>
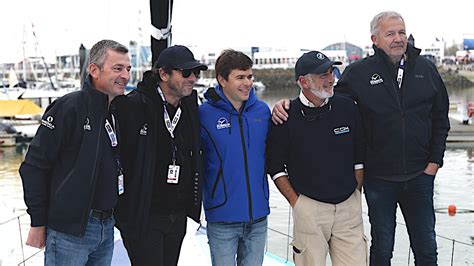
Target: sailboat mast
<point x="23" y="65"/>
<point x="161" y="13"/>
<point x="42" y="57"/>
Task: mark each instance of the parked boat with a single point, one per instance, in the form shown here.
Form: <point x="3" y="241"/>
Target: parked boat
<point x="7" y="139"/>
<point x="8" y="135"/>
<point x="22" y="115"/>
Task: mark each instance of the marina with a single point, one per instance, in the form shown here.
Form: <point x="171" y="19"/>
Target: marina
<point x="27" y="76"/>
<point x="453" y="186"/>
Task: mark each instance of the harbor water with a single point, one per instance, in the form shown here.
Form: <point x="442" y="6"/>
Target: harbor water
<point x="454" y="185"/>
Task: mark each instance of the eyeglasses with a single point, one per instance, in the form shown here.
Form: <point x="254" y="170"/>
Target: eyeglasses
<point x="187" y="72"/>
<point x="320" y="115"/>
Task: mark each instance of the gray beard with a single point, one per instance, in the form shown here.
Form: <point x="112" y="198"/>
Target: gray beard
<point x="323" y="95"/>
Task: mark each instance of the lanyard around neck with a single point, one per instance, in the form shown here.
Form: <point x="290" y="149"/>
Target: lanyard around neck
<point x="170" y="124"/>
<point x="111" y="132"/>
<point x="401" y="70"/>
<point x="114" y="143"/>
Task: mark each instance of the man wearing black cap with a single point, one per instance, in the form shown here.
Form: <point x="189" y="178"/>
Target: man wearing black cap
<point x="404" y="107"/>
<point x="315" y="160"/>
<point x="161" y="159"/>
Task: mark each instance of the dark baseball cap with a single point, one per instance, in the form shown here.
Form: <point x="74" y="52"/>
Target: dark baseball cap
<point x="178" y="57"/>
<point x="313" y="62"/>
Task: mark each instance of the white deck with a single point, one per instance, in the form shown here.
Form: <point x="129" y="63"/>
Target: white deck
<point x="194" y="252"/>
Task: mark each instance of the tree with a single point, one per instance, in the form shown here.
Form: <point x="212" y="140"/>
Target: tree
<point x="451" y="50"/>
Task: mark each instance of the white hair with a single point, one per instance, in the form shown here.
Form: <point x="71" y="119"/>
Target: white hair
<point x="374" y="24"/>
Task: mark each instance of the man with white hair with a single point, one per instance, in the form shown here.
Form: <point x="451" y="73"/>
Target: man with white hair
<point x="315" y="160"/>
<point x="404" y="108"/>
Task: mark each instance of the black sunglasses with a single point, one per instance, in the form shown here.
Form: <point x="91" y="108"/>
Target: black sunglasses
<point x="187" y="72"/>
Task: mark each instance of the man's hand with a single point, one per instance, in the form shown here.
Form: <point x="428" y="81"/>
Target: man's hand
<point x="37" y="237"/>
<point x="283" y="184"/>
<point x="279" y="113"/>
<point x="431" y="169"/>
<point x="359" y="176"/>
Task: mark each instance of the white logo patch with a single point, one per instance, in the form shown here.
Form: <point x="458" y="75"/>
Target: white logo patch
<point x="87" y="125"/>
<point x="144" y="130"/>
<point x="375" y="79"/>
<point x="48" y="122"/>
<point x="341" y="130"/>
<point x="222" y="123"/>
<point x="320" y="56"/>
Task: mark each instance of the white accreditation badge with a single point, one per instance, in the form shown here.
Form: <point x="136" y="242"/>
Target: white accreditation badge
<point x="173" y="174"/>
<point x="121" y="187"/>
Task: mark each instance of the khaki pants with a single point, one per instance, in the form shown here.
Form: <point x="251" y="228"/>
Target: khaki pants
<point x="320" y="228"/>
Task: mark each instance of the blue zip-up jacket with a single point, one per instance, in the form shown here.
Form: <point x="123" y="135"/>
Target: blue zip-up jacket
<point x="235" y="183"/>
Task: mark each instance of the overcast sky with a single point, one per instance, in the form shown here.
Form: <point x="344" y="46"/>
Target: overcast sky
<point x="62" y="25"/>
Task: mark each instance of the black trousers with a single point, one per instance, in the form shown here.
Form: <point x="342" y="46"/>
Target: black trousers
<point x="161" y="245"/>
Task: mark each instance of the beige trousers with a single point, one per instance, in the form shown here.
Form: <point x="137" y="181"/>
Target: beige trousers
<point x="320" y="228"/>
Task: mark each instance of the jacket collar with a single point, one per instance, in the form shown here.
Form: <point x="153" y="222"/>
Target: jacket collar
<point x="89" y="88"/>
<point x="411" y="52"/>
<point x="216" y="97"/>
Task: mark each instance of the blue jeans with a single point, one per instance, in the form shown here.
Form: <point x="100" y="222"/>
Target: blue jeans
<point x="244" y="239"/>
<point x="415" y="198"/>
<point x="94" y="248"/>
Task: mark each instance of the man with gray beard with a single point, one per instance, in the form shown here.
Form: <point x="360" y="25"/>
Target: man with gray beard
<point x="316" y="161"/>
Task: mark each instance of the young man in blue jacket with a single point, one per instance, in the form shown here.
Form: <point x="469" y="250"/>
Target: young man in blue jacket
<point x="234" y="130"/>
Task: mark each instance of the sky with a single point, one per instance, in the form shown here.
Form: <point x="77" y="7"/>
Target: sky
<point x="62" y="25"/>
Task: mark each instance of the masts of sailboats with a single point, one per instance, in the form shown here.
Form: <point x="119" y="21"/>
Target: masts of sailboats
<point x="42" y="57"/>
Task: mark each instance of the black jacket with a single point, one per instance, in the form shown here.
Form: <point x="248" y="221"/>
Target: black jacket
<point x="139" y="114"/>
<point x="61" y="167"/>
<point x="404" y="133"/>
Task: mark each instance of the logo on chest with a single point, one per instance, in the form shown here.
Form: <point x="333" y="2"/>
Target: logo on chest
<point x="87" y="124"/>
<point x="341" y="130"/>
<point x="48" y="122"/>
<point x="144" y="130"/>
<point x="375" y="79"/>
<point x="222" y="123"/>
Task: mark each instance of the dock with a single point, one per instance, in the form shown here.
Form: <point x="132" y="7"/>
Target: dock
<point x="459" y="132"/>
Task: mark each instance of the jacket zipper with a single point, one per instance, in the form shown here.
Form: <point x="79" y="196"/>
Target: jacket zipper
<point x="402" y="113"/>
<point x="245" y="165"/>
<point x="85" y="218"/>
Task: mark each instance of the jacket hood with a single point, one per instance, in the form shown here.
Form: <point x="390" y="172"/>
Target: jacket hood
<point x="148" y="85"/>
<point x="215" y="97"/>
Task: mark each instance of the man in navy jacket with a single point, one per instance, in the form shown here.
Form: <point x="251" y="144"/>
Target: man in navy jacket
<point x="71" y="174"/>
<point x="404" y="107"/>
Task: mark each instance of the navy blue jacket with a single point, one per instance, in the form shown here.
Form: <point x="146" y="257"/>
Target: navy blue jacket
<point x="403" y="133"/>
<point x="235" y="183"/>
<point x="60" y="170"/>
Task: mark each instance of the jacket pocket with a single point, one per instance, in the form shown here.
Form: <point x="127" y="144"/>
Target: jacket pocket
<point x="217" y="200"/>
<point x="299" y="247"/>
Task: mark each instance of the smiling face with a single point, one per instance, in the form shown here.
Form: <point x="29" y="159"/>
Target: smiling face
<point x="322" y="85"/>
<point x="114" y="74"/>
<point x="237" y="86"/>
<point x="391" y="38"/>
<point x="175" y="86"/>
